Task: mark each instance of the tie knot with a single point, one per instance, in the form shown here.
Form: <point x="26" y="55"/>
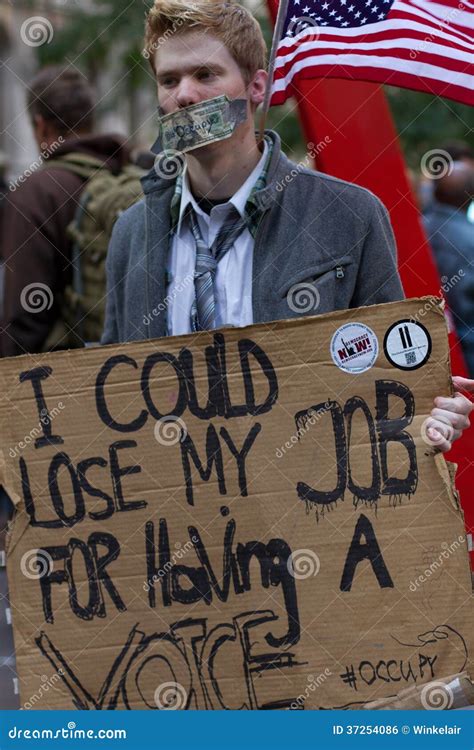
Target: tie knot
<point x="205" y="263"/>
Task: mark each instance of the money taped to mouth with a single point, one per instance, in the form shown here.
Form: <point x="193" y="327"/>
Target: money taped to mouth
<point x="201" y="124"/>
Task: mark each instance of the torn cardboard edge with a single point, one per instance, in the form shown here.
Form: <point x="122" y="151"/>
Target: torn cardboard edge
<point x="447" y="472"/>
<point x="446" y="693"/>
<point x="5" y="481"/>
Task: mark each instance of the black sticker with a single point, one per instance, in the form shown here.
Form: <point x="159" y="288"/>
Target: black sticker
<point x="407" y="345"/>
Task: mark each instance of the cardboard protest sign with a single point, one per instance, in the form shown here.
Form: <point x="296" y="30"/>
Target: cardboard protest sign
<point x="248" y="518"/>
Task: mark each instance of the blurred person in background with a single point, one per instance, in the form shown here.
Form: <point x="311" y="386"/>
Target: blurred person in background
<point x="451" y="236"/>
<point x="36" y="248"/>
<point x="462" y="151"/>
<point x="456" y="151"/>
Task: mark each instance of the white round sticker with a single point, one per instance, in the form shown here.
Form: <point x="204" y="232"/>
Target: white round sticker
<point x="354" y="347"/>
<point x="407" y="345"/>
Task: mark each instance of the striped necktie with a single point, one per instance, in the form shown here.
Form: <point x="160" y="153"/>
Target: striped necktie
<point x="203" y="312"/>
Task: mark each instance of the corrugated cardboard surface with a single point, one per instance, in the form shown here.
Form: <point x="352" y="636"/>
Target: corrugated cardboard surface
<point x="245" y="587"/>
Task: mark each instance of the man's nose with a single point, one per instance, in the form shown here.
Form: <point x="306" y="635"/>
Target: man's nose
<point x="187" y="93"/>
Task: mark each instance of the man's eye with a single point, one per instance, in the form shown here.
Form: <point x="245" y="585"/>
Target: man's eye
<point x="203" y="74"/>
<point x="168" y="82"/>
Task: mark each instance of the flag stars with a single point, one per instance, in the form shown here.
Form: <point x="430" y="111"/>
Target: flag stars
<point x="325" y="6"/>
<point x="358" y="14"/>
<point x="374" y="9"/>
<point x="351" y="8"/>
<point x="332" y="13"/>
<point x="306" y="10"/>
<point x="381" y="16"/>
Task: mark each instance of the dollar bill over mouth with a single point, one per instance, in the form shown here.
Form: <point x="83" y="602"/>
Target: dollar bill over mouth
<point x="201" y="124"/>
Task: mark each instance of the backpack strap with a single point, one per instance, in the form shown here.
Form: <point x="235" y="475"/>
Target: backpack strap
<point x="80" y="164"/>
<point x="86" y="167"/>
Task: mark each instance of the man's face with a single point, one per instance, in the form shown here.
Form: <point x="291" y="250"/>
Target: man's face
<point x="194" y="66"/>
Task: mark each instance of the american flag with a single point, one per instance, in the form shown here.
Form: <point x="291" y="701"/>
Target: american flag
<point x="415" y="44"/>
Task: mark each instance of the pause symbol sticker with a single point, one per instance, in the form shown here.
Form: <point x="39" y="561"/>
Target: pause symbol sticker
<point x="407" y="345"/>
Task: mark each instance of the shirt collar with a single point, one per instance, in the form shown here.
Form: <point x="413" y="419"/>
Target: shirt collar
<point x="241" y="200"/>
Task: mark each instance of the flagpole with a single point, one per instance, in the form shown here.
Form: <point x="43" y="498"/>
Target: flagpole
<point x="280" y="22"/>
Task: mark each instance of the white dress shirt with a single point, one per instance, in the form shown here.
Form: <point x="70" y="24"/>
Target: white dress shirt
<point x="233" y="280"/>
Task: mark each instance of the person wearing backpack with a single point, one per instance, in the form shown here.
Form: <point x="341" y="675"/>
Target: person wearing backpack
<point x="58" y="217"/>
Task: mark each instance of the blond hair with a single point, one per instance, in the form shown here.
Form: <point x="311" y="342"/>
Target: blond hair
<point x="228" y="22"/>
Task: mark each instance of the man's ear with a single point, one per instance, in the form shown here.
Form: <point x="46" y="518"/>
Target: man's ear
<point x="36" y="122"/>
<point x="38" y="125"/>
<point x="44" y="131"/>
<point x="257" y="86"/>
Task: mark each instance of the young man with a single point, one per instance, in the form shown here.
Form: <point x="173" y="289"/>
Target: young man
<point x="230" y="239"/>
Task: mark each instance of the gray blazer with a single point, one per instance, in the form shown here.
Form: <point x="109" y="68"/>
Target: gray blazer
<point x="314" y="229"/>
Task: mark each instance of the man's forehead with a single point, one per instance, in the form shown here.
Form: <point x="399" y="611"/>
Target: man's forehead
<point x="192" y="49"/>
